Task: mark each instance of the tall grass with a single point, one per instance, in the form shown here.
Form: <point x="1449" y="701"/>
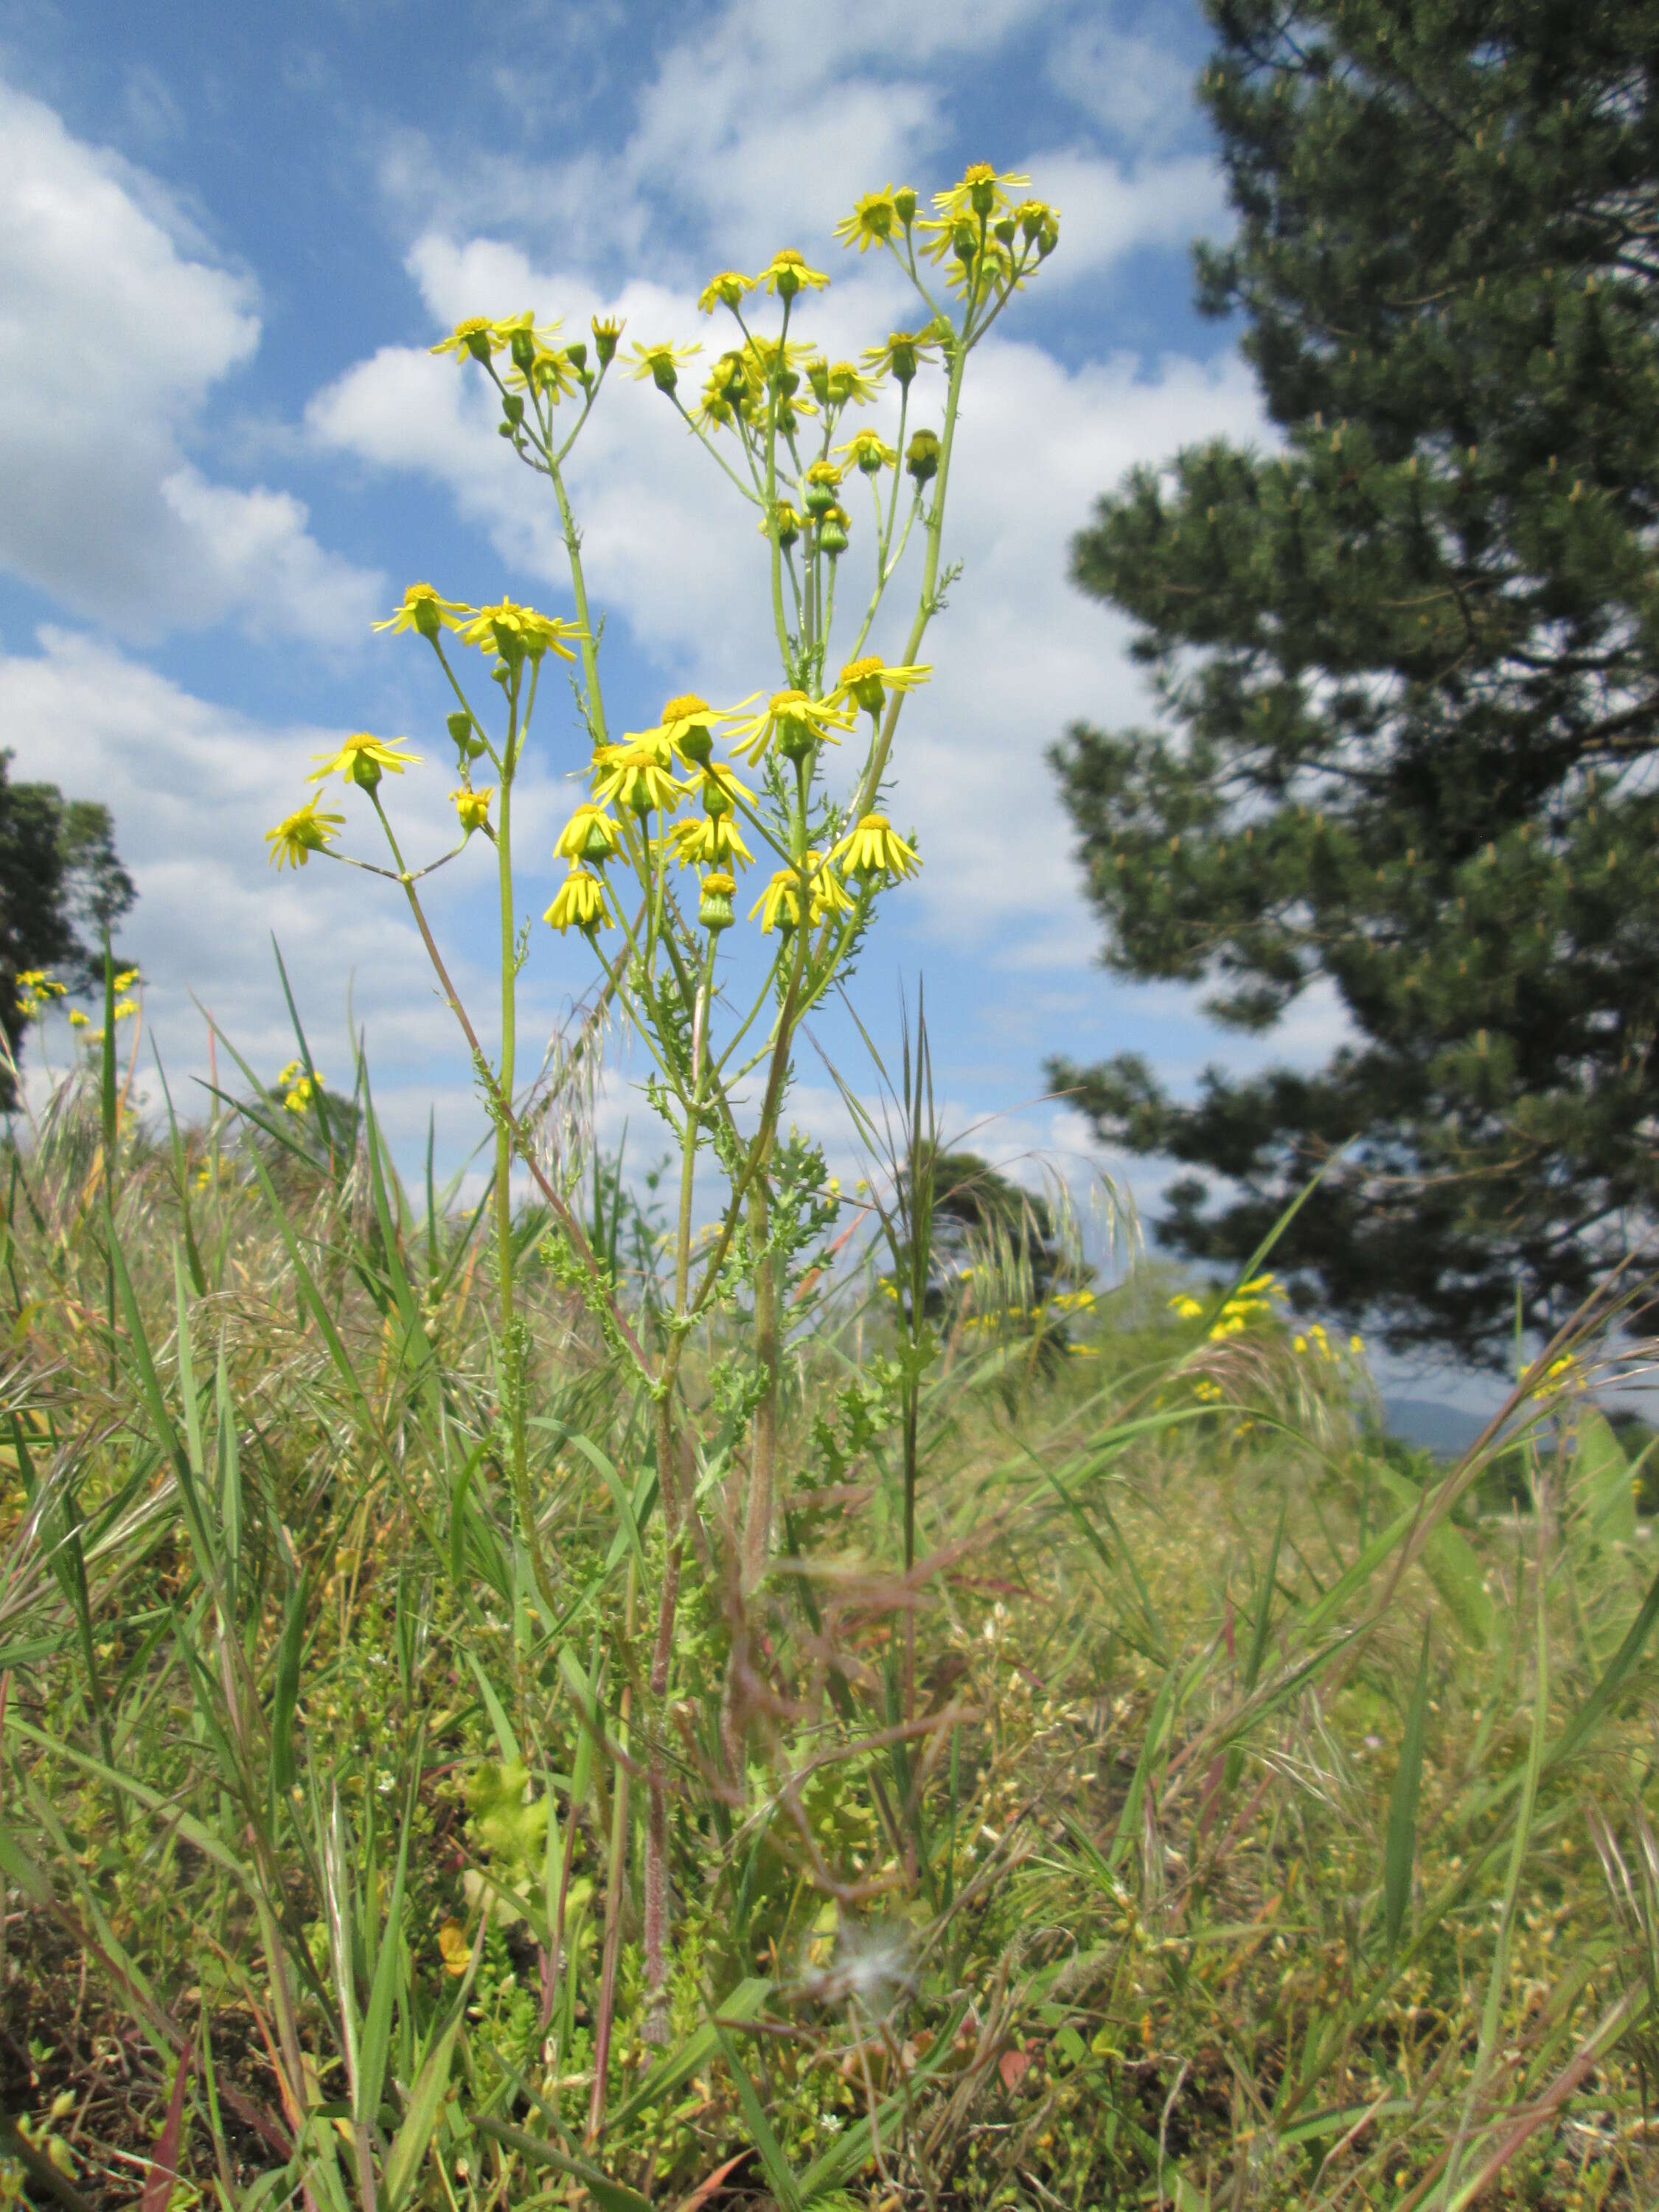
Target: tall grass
<point x="1133" y="1785"/>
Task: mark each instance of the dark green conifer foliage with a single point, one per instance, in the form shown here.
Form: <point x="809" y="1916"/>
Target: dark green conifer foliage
<point x="1408" y="664"/>
<point x="61" y="885"/>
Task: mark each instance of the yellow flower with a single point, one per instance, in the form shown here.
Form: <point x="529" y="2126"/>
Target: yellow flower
<point x="471" y="808"/>
<point x="869" y="451"/>
<point x="513" y="631"/>
<point x="979" y="192"/>
<point x="589" y="835"/>
<point x="607" y="331"/>
<point x="829" y="894"/>
<point x="714" y="837"/>
<point x="787" y="273"/>
<point x="725" y="290"/>
<point x="635" y="777"/>
<point x="77" y="1019"/>
<point x="302" y="833"/>
<point x="1357" y="1346"/>
<point x="123" y="982"/>
<point x="423" y="609"/>
<point x="454" y="1948"/>
<point x="661" y="363"/>
<point x="580" y="900"/>
<point x="788" y="523"/>
<point x="867" y="681"/>
<point x="720" y="790"/>
<point x="360" y="761"/>
<point x="1188" y="1308"/>
<point x="848" y="381"/>
<point x="901" y="353"/>
<point x="1074" y="1302"/>
<point x="476" y="337"/>
<point x="779" y="904"/>
<point x="873" y="844"/>
<point x="124" y="1009"/>
<point x="686" y="728"/>
<point x="874" y="219"/>
<point x="548" y="370"/>
<point x="795" y="722"/>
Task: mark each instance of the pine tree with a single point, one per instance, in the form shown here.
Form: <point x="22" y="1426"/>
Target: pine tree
<point x="59" y="876"/>
<point x="1408" y="665"/>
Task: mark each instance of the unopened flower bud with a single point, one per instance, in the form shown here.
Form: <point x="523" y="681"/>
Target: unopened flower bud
<point x="512" y="408"/>
<point x="459" y="728"/>
<point x="965" y="240"/>
<point x="904" y="201"/>
<point x="522" y="346"/>
<point x="606" y="333"/>
<point x="1049" y="236"/>
<point x="823" y="480"/>
<point x="832" y="531"/>
<point x="1005" y="230"/>
<point x="576" y="353"/>
<point x="715" y="905"/>
<point x="922" y="456"/>
<point x="817" y="375"/>
<point x="502" y="673"/>
<point x="505" y="430"/>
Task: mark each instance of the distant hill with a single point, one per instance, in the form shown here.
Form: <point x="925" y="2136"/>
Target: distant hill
<point x="1433" y="1427"/>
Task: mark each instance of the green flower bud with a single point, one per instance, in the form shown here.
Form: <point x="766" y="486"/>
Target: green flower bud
<point x="459" y="728"/>
<point x="522" y="346"/>
<point x="817" y="375"/>
<point x="714" y="905"/>
<point x="512" y="408"/>
<point x="904" y="200"/>
<point x="922" y="456"/>
<point x="576" y="353"/>
<point x="605" y="334"/>
<point x="364" y="773"/>
<point x="832" y="531"/>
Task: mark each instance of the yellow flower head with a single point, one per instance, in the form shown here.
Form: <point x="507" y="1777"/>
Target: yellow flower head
<point x="580" y="900"/>
<point x="869" y="451"/>
<point x="589" y="835"/>
<point x="847" y="381"/>
<point x="787" y="273"/>
<point x="872" y="845"/>
<point x="607" y="334"/>
<point x="471" y="808"/>
<point x="635" y="777"/>
<point x="829" y="894"/>
<point x="980" y="192"/>
<point x="1186" y="1306"/>
<point x="302" y="833"/>
<point x="725" y="290"/>
<point x="901" y="353"/>
<point x="454" y="1948"/>
<point x="686" y="728"/>
<point x="550" y="371"/>
<point x="77" y="1019"/>
<point x="123" y="982"/>
<point x="712" y="838"/>
<point x="1038" y="225"/>
<point x="779" y="904"/>
<point x="422" y="608"/>
<point x="867" y="681"/>
<point x="517" y="633"/>
<point x="787" y="521"/>
<point x="661" y="363"/>
<point x="124" y="1009"/>
<point x="795" y="723"/>
<point x="360" y="761"/>
<point x="876" y="219"/>
<point x="720" y="790"/>
<point x="476" y="339"/>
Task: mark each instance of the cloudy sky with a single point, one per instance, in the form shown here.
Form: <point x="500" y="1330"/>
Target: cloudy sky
<point x="227" y="239"/>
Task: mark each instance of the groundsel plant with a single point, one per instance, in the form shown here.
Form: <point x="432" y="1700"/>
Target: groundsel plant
<point x="787" y="783"/>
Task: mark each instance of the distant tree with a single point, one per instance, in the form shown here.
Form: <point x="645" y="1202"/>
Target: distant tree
<point x="1408" y="665"/>
<point x="62" y="884"/>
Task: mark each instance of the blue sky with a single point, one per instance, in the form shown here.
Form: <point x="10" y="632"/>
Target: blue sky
<point x="227" y="239"/>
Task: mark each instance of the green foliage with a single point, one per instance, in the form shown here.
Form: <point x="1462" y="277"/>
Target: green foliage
<point x="1409" y="664"/>
<point x="1130" y="1785"/>
<point x="60" y="878"/>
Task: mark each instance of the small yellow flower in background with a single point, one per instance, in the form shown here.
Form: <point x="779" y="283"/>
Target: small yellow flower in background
<point x="123" y="982"/>
<point x="1206" y="1391"/>
<point x="869" y="451"/>
<point x="77" y="1019"/>
<point x="901" y="353"/>
<point x="124" y="1009"/>
<point x="580" y="900"/>
<point x="1357" y="1346"/>
<point x="979" y="191"/>
<point x="589" y="835"/>
<point x="1299" y="1344"/>
<point x="454" y="1948"/>
<point x="847" y="381"/>
<point x="787" y="273"/>
<point x="1187" y="1307"/>
<point x="794" y="723"/>
<point x="471" y="808"/>
<point x="1074" y="1302"/>
<point x="686" y="728"/>
<point x="867" y="681"/>
<point x="725" y="290"/>
<point x="788" y="522"/>
<point x="302" y="833"/>
<point x="875" y="219"/>
<point x="475" y="338"/>
<point x="511" y="630"/>
<point x="661" y="363"/>
<point x="425" y="611"/>
<point x="779" y="904"/>
<point x="715" y="838"/>
<point x="361" y="753"/>
<point x="871" y="845"/>
<point x="635" y="777"/>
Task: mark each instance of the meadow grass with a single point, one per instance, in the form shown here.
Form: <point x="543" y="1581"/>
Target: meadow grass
<point x="1132" y="1783"/>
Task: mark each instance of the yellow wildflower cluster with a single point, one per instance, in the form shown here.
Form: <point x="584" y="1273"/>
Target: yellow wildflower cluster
<point x="35" y="991"/>
<point x="297" y="1086"/>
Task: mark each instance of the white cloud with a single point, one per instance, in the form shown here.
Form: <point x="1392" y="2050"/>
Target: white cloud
<point x="114" y="332"/>
<point x="1137" y="88"/>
